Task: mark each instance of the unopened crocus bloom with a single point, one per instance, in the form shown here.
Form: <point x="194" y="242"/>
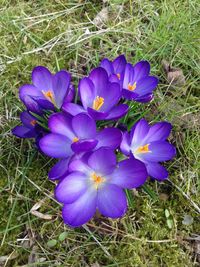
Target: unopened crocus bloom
<point x="138" y="85"/>
<point x="115" y="68"/>
<point x="99" y="97"/>
<point x="29" y="127"/>
<point x="97" y="182"/>
<point x="48" y="91"/>
<point x="149" y="145"/>
<point x="76" y="134"/>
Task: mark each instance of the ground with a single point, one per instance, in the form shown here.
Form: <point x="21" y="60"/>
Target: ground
<point x="161" y="227"/>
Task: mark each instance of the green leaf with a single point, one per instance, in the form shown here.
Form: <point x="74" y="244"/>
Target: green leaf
<point x="62" y="236"/>
<point x="150" y="192"/>
<point x="170" y="223"/>
<point x="167" y="214"/>
<point x="130" y="198"/>
<point x="52" y="243"/>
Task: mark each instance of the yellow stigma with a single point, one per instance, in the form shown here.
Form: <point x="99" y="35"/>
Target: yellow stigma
<point x="118" y="76"/>
<point x="142" y="149"/>
<point x="75" y="139"/>
<point x="132" y="87"/>
<point x="97" y="180"/>
<point x="33" y="122"/>
<point x="98" y="103"/>
<point x="49" y="96"/>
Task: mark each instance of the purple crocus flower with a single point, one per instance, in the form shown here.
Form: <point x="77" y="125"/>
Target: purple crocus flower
<point x="148" y="144"/>
<point x="48" y="91"/>
<point x="138" y="85"/>
<point x="115" y="69"/>
<point x="99" y="97"/>
<point x="76" y="134"/>
<point x="29" y="127"/>
<point x="97" y="182"/>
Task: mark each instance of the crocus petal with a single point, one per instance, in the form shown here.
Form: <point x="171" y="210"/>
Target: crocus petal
<point x="130" y="95"/>
<point x="107" y="65"/>
<point x="84" y="145"/>
<point x="80" y="211"/>
<point x="139" y="131"/>
<point x="61" y="81"/>
<point x="119" y="64"/>
<point x="111" y="94"/>
<point x="56" y="146"/>
<point x="27" y="119"/>
<point x="158" y="132"/>
<point x="59" y="170"/>
<point x="102" y="161"/>
<point x="159" y="151"/>
<point x="109" y="137"/>
<point x="84" y="126"/>
<point x="72" y="108"/>
<point x="117" y="112"/>
<point x="60" y="123"/>
<point x="111" y="201"/>
<point x="24" y="132"/>
<point x="128" y="75"/>
<point x="71" y="94"/>
<point x="87" y="92"/>
<point x="79" y="166"/>
<point x="96" y="115"/>
<point x="130" y="173"/>
<point x="42" y="78"/>
<point x="125" y="144"/>
<point x="71" y="188"/>
<point x="99" y="78"/>
<point x="157" y="171"/>
<point x="141" y="69"/>
<point x="146" y="85"/>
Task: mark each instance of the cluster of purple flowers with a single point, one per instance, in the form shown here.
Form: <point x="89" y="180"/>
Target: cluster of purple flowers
<point x="90" y="177"/>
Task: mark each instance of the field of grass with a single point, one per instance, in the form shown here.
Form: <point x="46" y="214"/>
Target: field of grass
<point x="75" y="36"/>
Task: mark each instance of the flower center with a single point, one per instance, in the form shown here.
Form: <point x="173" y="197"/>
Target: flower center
<point x="132" y="87"/>
<point x="75" y="139"/>
<point x="98" y="103"/>
<point x="118" y="75"/>
<point x="142" y="149"/>
<point x="98" y="180"/>
<point x="49" y="96"/>
<point x="33" y="122"/>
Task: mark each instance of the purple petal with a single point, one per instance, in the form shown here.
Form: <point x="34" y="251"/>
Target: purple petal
<point x="61" y="81"/>
<point x="130" y="95"/>
<point x="72" y="108"/>
<point x="157" y="171"/>
<point x="80" y="211"/>
<point x="84" y="145"/>
<point x="79" y="166"/>
<point x="84" y="126"/>
<point x="27" y="119"/>
<point x="119" y="64"/>
<point x="24" y="132"/>
<point x="130" y="173"/>
<point x="111" y="201"/>
<point x="99" y="78"/>
<point x="141" y="69"/>
<point x="96" y="115"/>
<point x="128" y="75"/>
<point x="117" y="112"/>
<point x="139" y="131"/>
<point x="158" y="132"/>
<point x="59" y="169"/>
<point x="87" y="92"/>
<point x="71" y="188"/>
<point x="71" y="94"/>
<point x="125" y="144"/>
<point x="42" y="78"/>
<point x="109" y="137"/>
<point x="56" y="146"/>
<point x="60" y="123"/>
<point x="107" y="65"/>
<point x="144" y="99"/>
<point x="102" y="161"/>
<point x="146" y="85"/>
<point x="159" y="151"/>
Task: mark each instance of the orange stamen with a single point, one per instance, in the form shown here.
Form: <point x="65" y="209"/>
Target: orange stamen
<point x="142" y="149"/>
<point x="98" y="103"/>
<point x="118" y="75"/>
<point x="33" y="122"/>
<point x="97" y="179"/>
<point x="132" y="87"/>
<point x="75" y="139"/>
<point x="49" y="96"/>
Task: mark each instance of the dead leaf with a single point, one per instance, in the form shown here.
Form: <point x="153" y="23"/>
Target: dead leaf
<point x="96" y="264"/>
<point x="175" y="76"/>
<point x="101" y="18"/>
<point x="11" y="256"/>
<point x="39" y="214"/>
<point x="163" y="196"/>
